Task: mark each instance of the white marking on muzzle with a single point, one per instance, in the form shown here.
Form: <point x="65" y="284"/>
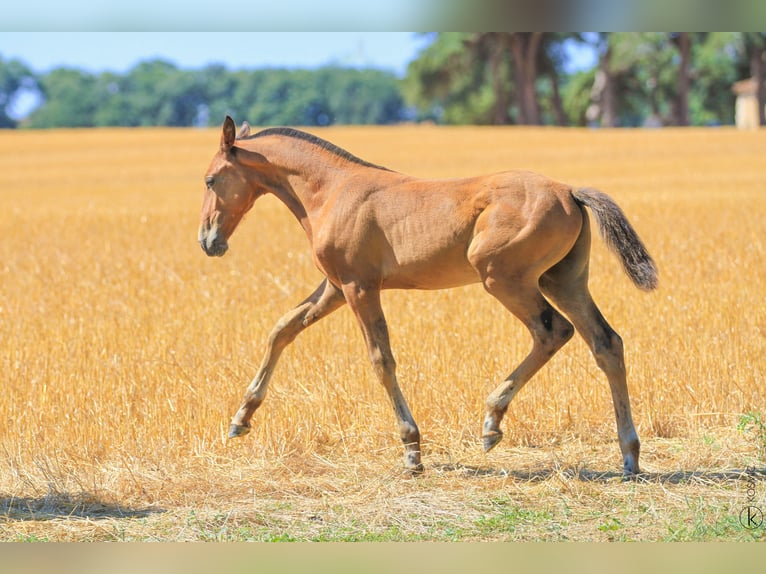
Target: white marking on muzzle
<point x="212" y="235"/>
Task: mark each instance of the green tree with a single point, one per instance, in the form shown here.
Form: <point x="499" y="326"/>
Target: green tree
<point x="663" y="79"/>
<point x="458" y="78"/>
<point x="326" y="96"/>
<point x="114" y="107"/>
<point x="576" y="97"/>
<point x="447" y="83"/>
<point x="553" y="77"/>
<point x="287" y="97"/>
<point x="152" y="93"/>
<point x="360" y="96"/>
<point x="525" y="49"/>
<point x="158" y="93"/>
<point x="490" y="77"/>
<point x="635" y="81"/>
<point x="219" y="84"/>
<point x="715" y="68"/>
<point x="523" y="67"/>
<point x="683" y="41"/>
<point x="494" y="49"/>
<point x="15" y="78"/>
<point x="70" y="100"/>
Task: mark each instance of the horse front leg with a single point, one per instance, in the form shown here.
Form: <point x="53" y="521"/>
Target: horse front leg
<point x="326" y="299"/>
<point x="365" y="303"/>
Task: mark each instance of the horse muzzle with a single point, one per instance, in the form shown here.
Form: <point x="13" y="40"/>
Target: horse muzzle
<point x="212" y="243"/>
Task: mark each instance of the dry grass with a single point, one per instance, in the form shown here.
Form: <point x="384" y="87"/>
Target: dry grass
<point x="125" y="351"/>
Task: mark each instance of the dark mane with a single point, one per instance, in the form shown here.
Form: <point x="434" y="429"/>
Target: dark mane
<point x="317" y="141"/>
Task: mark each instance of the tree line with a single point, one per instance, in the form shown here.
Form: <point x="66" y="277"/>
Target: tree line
<point x="522" y="78"/>
<point x="158" y="93"/>
<point x="679" y="78"/>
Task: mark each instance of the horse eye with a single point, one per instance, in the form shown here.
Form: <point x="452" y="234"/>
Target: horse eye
<point x="209" y="180"/>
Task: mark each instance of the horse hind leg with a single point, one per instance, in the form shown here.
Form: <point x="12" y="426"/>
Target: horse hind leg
<point x="323" y="301"/>
<point x="570" y="293"/>
<point x="549" y="330"/>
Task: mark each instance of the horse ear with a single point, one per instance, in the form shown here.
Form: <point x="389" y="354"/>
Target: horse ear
<point x="228" y="135"/>
<point x="244" y="131"/>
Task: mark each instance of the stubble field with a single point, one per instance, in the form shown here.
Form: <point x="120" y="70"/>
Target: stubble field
<point x="125" y="351"/>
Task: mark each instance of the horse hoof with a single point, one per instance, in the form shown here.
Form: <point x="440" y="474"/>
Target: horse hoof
<point x="489" y="441"/>
<point x="630" y="466"/>
<point x="412" y="464"/>
<point x="238" y="430"/>
<point x="630" y="473"/>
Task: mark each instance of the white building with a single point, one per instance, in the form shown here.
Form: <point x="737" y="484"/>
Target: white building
<point x="746" y="115"/>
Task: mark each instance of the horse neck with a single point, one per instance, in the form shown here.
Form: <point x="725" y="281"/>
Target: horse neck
<point x="298" y="173"/>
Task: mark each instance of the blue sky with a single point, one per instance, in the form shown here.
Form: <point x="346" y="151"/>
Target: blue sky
<point x="119" y="51"/>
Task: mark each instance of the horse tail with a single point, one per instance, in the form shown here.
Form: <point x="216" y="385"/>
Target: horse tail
<point x="620" y="237"/>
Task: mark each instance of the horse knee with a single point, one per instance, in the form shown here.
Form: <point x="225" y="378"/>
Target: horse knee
<point x="382" y="363"/>
<point x="280" y="337"/>
<point x="286" y="330"/>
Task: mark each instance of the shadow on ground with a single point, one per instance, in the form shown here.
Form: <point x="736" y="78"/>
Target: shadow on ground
<point x="586" y="475"/>
<point x="54" y="506"/>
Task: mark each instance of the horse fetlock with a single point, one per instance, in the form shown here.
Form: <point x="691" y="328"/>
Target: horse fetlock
<point x="630" y="466"/>
<point x="630" y="454"/>
<point x="410" y="434"/>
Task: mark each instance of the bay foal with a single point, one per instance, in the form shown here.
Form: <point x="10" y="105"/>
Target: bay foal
<point x="526" y="238"/>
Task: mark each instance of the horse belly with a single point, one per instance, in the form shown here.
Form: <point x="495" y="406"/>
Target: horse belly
<point x="428" y="264"/>
<point x="436" y="278"/>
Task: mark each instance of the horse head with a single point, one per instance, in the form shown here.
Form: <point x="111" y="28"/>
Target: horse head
<point x="230" y="191"/>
